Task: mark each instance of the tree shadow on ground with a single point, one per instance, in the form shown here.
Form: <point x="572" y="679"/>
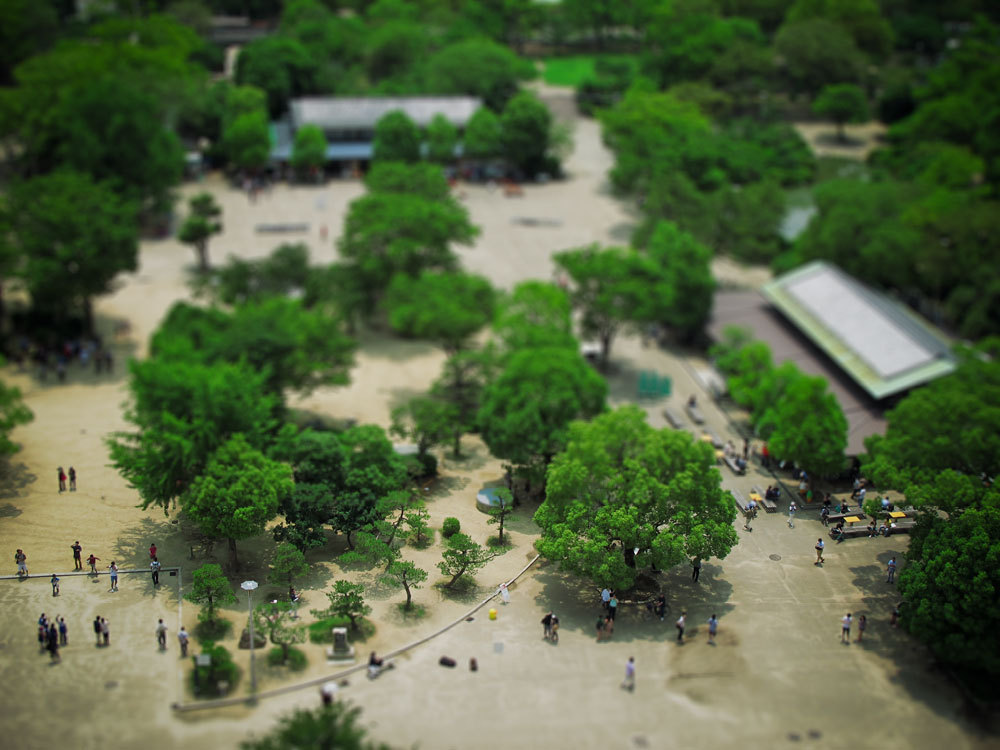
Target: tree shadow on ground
<point x="474" y="456"/>
<point x="622" y="232"/>
<point x="9" y="511"/>
<point x="578" y="603"/>
<point x="15" y="478"/>
<point x="466" y="590"/>
<point x="444" y="485"/>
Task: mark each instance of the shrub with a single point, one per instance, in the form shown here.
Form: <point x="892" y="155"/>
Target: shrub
<point x="297" y="660"/>
<point x="450" y="527"/>
<point x="320" y="632"/>
<point x="420" y="467"/>
<point x="205" y="679"/>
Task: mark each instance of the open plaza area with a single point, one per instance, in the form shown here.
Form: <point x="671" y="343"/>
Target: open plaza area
<point x="777" y="675"/>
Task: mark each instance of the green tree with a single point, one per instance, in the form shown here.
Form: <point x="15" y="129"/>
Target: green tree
<point x="335" y="726"/>
<point x="446" y="308"/>
<point x="687" y="284"/>
<point x="275" y="619"/>
<point x="421" y="179"/>
<point x="393" y="51"/>
<point x="535" y="314"/>
<point x="246" y="141"/>
<point x="288" y="563"/>
<point x="309" y="150"/>
<point x="816" y="53"/>
<point x="346" y="600"/>
<point x="183" y="412"/>
<point x="477" y="67"/>
<point x="278" y="65"/>
<point x="622" y="486"/>
<point x="500" y="513"/>
<point x="442" y="137"/>
<point x="842" y="103"/>
<point x="404" y="573"/>
<point x="417" y="522"/>
<point x="940" y="443"/>
<point x="527" y="430"/>
<point x="296" y="349"/>
<point x="238" y="494"/>
<point x="285" y="272"/>
<point x="612" y="287"/>
<point x="463" y="378"/>
<point x="13" y="412"/>
<point x="427" y="421"/>
<point x="397" y="138"/>
<point x="483" y="137"/>
<point x="526" y="134"/>
<point x="463" y="557"/>
<point x="72" y="237"/>
<point x="211" y="589"/>
<point x="199" y="226"/>
<point x="862" y="19"/>
<point x="26" y="27"/>
<point x="388" y="233"/>
<point x="805" y="425"/>
<point x="949" y="588"/>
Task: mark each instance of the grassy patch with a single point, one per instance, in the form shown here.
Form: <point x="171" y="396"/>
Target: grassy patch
<point x="212" y="630"/>
<point x="414" y="612"/>
<point x="494" y="542"/>
<point x="574" y="70"/>
<point x="321" y="631"/>
<point x="297" y="660"/>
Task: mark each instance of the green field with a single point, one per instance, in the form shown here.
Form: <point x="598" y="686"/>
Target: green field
<point x="572" y="71"/>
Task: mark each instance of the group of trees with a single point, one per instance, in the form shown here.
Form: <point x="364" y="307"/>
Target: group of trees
<point x="942" y="450"/>
<point x="795" y="413"/>
<point x="925" y="220"/>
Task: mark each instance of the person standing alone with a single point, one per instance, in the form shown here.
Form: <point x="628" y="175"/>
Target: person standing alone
<point x="681" y="621"/>
<point x="713" y="626"/>
<point x="819" y="551"/>
<point x="113" y="568"/>
<point x="791" y="514"/>
<point x="891" y="570"/>
<point x="629" y="683"/>
<point x="161" y="635"/>
<point x="182" y="639"/>
<point x="154" y="568"/>
<point x="77" y="551"/>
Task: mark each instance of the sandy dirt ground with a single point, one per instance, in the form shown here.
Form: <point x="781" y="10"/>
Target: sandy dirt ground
<point x="860" y="140"/>
<point x="777" y="675"/>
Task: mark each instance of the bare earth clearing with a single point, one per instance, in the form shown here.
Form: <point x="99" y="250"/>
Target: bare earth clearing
<point x="776" y="676"/>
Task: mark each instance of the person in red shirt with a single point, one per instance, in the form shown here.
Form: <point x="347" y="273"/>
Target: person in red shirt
<point x="152" y="551"/>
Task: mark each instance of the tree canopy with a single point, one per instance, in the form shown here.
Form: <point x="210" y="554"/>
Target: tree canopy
<point x="309" y="149"/>
<point x="238" y="493"/>
<point x="201" y="223"/>
<point x="72" y="237"/>
<point x="397" y="138"/>
<point x="621" y="485"/>
<point x="535" y="314"/>
<point x="446" y="308"/>
<point x="842" y="103"/>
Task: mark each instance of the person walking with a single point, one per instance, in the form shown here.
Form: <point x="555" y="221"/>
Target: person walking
<point x="862" y="624"/>
<point x="894" y="617"/>
<point x="613" y="606"/>
<point x="93" y="563"/>
<point x="54" y="580"/>
<point x="629" y="683"/>
<point x="77" y="552"/>
<point x="63" y="632"/>
<point x="72" y="479"/>
<point x="154" y="568"/>
<point x="547" y="626"/>
<point x="681" y="621"/>
<point x="22" y="562"/>
<point x="105" y="632"/>
<point x="62" y="479"/>
<point x="97" y="629"/>
<point x="824" y="515"/>
<point x="791" y="514"/>
<point x="696" y="569"/>
<point x="113" y="568"/>
<point x="891" y="570"/>
<point x="819" y="551"/>
<point x="182" y="639"/>
<point x="605" y="598"/>
<point x="713" y="626"/>
<point x="504" y="593"/>
<point x="845" y="628"/>
<point x="152" y="551"/>
<point x="161" y="635"/>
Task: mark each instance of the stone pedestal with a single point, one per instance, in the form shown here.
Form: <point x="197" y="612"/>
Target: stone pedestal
<point x="341" y="650"/>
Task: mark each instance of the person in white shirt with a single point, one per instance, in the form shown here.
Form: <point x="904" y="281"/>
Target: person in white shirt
<point x="845" y="628"/>
<point x="791" y="514"/>
<point x="629" y="683"/>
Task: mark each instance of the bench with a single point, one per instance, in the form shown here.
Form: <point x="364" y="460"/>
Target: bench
<point x="769" y="505"/>
<point x="741" y="502"/>
<point x="710" y="437"/>
<point x="695" y="413"/>
<point x="671" y="416"/>
<point x="834" y="517"/>
<point x="730" y="461"/>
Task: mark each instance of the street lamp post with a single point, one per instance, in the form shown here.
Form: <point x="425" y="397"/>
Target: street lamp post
<point x="249" y="587"/>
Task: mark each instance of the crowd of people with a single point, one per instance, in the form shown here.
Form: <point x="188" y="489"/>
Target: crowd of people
<point x="58" y="358"/>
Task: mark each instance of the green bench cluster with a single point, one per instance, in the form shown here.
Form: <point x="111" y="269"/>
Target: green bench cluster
<point x="652" y="385"/>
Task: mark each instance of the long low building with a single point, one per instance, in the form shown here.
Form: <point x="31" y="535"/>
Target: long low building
<point x="870" y="348"/>
<point x="349" y="121"/>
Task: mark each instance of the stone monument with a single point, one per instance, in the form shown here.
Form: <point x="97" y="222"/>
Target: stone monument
<point x="341" y="650"/>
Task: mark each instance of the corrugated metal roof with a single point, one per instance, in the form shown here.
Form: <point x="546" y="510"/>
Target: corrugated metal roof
<point x="361" y="113"/>
<point x="882" y="345"/>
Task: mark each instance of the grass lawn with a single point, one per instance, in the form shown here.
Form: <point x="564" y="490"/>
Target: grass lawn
<point x="572" y="71"/>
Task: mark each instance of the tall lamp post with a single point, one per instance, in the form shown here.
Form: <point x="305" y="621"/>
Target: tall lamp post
<point x="249" y="587"/>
